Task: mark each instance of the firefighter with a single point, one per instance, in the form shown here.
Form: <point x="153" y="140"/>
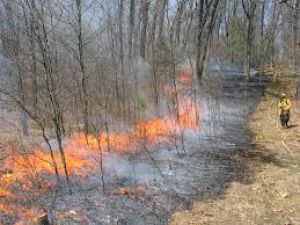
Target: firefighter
<point x="284" y="109"/>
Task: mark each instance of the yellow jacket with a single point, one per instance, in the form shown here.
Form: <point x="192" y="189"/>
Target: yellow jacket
<point x="284" y="106"/>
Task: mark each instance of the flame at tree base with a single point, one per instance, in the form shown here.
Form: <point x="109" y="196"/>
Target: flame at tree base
<point x="33" y="175"/>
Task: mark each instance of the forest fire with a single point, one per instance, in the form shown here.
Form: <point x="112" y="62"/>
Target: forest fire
<point x="33" y="175"/>
<point x="126" y="112"/>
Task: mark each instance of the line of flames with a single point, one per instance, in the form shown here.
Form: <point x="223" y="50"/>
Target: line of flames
<point x="33" y="173"/>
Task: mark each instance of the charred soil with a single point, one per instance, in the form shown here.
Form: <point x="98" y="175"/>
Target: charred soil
<point x="272" y="194"/>
<point x="149" y="186"/>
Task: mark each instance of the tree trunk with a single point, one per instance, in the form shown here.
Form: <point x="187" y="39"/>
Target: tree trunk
<point x="83" y="77"/>
<point x="46" y="139"/>
<point x="23" y="116"/>
<point x="248" y="51"/>
<point x="199" y="64"/>
<point x="295" y="41"/>
<point x="51" y="85"/>
<point x="295" y="25"/>
<point x="262" y="23"/>
<point x="178" y="18"/>
<point x="61" y="150"/>
<point x="121" y="53"/>
<point x="145" y="11"/>
<point x="249" y="11"/>
<point x="34" y="84"/>
<point x="162" y="19"/>
<point x="12" y="47"/>
<point x="131" y="27"/>
<point x="206" y="24"/>
<point x="154" y="24"/>
<point x="189" y="25"/>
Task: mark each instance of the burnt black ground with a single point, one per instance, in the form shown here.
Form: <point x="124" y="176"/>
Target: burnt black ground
<point x="176" y="178"/>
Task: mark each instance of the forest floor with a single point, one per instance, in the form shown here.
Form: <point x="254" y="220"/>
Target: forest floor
<point x="240" y="167"/>
<point x="272" y="195"/>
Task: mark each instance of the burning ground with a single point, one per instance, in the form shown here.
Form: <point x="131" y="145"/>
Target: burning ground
<point x="141" y="176"/>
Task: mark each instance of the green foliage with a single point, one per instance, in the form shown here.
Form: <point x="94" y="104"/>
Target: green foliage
<point x="139" y="105"/>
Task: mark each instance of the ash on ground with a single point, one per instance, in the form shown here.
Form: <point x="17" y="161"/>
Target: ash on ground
<point x="146" y="188"/>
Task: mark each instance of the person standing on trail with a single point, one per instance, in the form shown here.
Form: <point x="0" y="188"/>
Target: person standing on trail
<point x="284" y="109"/>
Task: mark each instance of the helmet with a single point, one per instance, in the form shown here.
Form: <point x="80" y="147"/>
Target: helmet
<point x="282" y="95"/>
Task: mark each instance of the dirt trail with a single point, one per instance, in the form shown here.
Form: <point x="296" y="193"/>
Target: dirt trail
<point x="272" y="195"/>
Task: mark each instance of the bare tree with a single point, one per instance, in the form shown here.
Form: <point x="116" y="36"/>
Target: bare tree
<point x="50" y="75"/>
<point x="296" y="16"/>
<point x="145" y="16"/>
<point x="131" y="26"/>
<point x="262" y="23"/>
<point x="11" y="41"/>
<point x="249" y="9"/>
<point x="88" y="65"/>
<point x="162" y="18"/>
<point x="207" y="14"/>
<point x="178" y="18"/>
<point x="81" y="58"/>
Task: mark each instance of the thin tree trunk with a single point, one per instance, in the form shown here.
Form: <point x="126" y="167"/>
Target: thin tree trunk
<point x="199" y="64"/>
<point x="178" y="19"/>
<point x="34" y="84"/>
<point x="154" y="24"/>
<point x="145" y="11"/>
<point x="12" y="46"/>
<point x="295" y="41"/>
<point x="204" y="34"/>
<point x="61" y="150"/>
<point x="115" y="64"/>
<point x="188" y="30"/>
<point x="250" y="14"/>
<point x="23" y="116"/>
<point x="50" y="84"/>
<point x="274" y="26"/>
<point x="121" y="53"/>
<point x="295" y="25"/>
<point x="262" y="19"/>
<point x="54" y="164"/>
<point x="162" y="19"/>
<point x="131" y="26"/>
<point x="83" y="78"/>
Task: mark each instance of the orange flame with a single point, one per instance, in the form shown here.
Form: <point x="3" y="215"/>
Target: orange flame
<point x="189" y="113"/>
<point x="33" y="173"/>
